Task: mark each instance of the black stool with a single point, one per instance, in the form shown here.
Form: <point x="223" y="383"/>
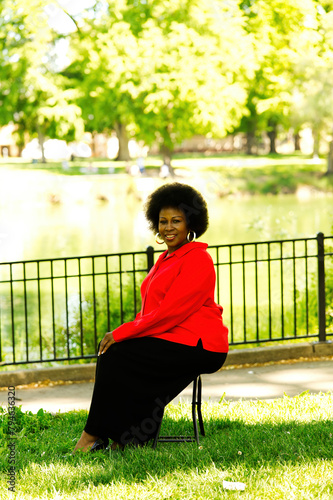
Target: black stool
<point x="196" y="409"/>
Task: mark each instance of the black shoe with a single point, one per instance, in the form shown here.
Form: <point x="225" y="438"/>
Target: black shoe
<point x="100" y="444"/>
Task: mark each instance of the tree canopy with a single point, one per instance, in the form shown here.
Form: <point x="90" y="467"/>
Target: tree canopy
<point x="165" y="70"/>
<point x="32" y="92"/>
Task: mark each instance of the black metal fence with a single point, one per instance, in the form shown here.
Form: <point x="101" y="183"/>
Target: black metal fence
<point x="59" y="309"/>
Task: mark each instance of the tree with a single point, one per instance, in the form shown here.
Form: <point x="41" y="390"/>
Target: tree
<point x="32" y="93"/>
<point x="194" y="83"/>
<point x="281" y="34"/>
<point x="160" y="71"/>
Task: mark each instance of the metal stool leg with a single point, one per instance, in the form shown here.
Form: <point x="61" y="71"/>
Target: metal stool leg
<point x="194" y="410"/>
<point x="196" y="416"/>
<point x="201" y="424"/>
<point x="158" y="432"/>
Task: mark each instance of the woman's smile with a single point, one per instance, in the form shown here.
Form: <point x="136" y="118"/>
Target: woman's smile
<point x="173" y="228"/>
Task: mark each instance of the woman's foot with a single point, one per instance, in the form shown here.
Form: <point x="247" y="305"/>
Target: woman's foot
<point x="85" y="442"/>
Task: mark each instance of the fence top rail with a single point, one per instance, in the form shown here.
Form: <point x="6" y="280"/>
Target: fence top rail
<point x="266" y="242"/>
<point x="144" y="252"/>
<point x="77" y="257"/>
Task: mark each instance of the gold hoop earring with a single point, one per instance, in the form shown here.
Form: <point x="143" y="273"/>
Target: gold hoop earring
<point x="158" y="242"/>
<point x="188" y="236"/>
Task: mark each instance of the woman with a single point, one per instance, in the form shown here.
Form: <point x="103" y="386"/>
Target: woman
<point x="178" y="334"/>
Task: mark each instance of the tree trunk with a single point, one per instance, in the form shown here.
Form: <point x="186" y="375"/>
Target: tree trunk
<point x="272" y="140"/>
<point x="297" y="141"/>
<point x="93" y="144"/>
<point x="41" y="140"/>
<point x="167" y="155"/>
<point x="330" y="160"/>
<point x="272" y="134"/>
<point x="316" y="142"/>
<point x="250" y="137"/>
<point x="123" y="153"/>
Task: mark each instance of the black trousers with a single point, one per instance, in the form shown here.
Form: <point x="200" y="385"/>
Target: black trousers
<point x="136" y="379"/>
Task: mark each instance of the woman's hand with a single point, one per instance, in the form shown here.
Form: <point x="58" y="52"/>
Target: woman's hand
<point x="106" y="343"/>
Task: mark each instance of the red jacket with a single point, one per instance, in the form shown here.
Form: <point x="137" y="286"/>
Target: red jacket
<point x="178" y="301"/>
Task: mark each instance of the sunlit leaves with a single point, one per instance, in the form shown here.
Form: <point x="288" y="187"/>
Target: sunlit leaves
<point x="167" y="69"/>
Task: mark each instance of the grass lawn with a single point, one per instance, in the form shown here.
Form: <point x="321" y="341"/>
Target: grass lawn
<point x="281" y="449"/>
<point x="237" y="173"/>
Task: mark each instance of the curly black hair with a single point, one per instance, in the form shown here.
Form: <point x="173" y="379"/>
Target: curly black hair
<point x="182" y="197"/>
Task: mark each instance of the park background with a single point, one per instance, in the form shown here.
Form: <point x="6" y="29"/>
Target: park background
<point x="234" y="98"/>
<point x="101" y="102"/>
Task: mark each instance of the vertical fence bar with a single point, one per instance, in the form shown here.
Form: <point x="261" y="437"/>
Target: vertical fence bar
<point x="25" y="312"/>
<point x="12" y="311"/>
<point x="67" y="318"/>
<point x="53" y="312"/>
<point x="121" y="290"/>
<point x="269" y="291"/>
<point x="217" y="276"/>
<point x="39" y="313"/>
<point x="94" y="300"/>
<point x="134" y="284"/>
<point x="231" y="301"/>
<point x="294" y="290"/>
<point x="256" y="290"/>
<point x="244" y="292"/>
<point x="321" y="288"/>
<point x="150" y="258"/>
<point x="80" y="299"/>
<point x="282" y="285"/>
<point x="306" y="286"/>
<point x="0" y="327"/>
<point x="107" y="292"/>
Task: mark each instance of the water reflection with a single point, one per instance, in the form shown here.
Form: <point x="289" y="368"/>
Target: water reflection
<point x="44" y="215"/>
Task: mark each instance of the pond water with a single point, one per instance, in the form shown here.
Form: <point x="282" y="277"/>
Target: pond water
<point x="44" y="215"/>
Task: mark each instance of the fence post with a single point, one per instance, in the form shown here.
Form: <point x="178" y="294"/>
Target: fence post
<point x="321" y="288"/>
<point x="150" y="258"/>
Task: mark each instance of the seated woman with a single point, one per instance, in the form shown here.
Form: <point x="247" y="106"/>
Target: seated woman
<point x="178" y="334"/>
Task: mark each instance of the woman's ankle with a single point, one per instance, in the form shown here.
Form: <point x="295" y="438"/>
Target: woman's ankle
<point x="86" y="441"/>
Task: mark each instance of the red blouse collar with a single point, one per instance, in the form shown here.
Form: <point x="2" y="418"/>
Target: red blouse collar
<point x="192" y="245"/>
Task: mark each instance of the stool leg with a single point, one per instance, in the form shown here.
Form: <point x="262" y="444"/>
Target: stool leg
<point x="196" y="416"/>
<point x="194" y="413"/>
<point x="201" y="424"/>
<point x="158" y="432"/>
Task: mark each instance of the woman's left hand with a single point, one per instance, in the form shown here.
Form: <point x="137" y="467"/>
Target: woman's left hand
<point x="106" y="343"/>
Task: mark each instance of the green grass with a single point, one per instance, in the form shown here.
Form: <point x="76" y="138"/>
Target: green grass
<point x="281" y="449"/>
<point x="233" y="173"/>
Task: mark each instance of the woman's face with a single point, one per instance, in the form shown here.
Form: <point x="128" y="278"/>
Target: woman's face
<point x="173" y="228"/>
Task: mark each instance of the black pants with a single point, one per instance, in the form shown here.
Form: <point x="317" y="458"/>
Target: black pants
<point x="136" y="379"/>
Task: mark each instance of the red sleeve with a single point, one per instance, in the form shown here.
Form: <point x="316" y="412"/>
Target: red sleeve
<point x="189" y="291"/>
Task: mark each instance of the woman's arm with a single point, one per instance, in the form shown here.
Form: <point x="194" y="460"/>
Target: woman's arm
<point x="189" y="291"/>
<point x="108" y="340"/>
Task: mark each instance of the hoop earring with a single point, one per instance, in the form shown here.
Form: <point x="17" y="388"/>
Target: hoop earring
<point x="194" y="236"/>
<point x="158" y="242"/>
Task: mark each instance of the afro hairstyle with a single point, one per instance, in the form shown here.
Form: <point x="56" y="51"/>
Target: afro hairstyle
<point x="182" y="197"/>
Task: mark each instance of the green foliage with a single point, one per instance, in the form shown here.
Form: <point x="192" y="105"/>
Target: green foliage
<point x="161" y="74"/>
<point x="279" y="449"/>
<point x="163" y="71"/>
<point x="32" y="94"/>
<point x="78" y="326"/>
<point x="280" y="36"/>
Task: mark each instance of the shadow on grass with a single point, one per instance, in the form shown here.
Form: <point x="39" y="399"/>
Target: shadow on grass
<point x="44" y="443"/>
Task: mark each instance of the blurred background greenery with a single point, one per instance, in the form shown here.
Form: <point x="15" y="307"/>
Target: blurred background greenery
<point x="234" y="97"/>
